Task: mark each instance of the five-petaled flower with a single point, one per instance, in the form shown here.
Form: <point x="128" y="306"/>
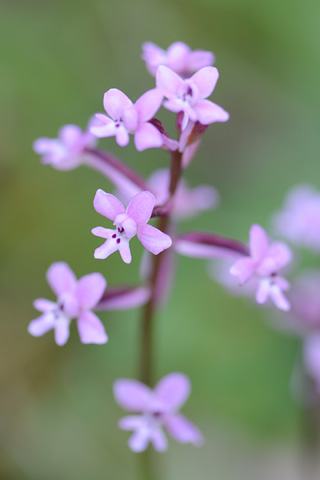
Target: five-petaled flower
<point x="179" y="57"/>
<point x="129" y="222"/>
<point x="127" y="118"/>
<point x="265" y="261"/>
<point x="75" y="299"/>
<point x="67" y="151"/>
<point x="158" y="409"/>
<point x="189" y="95"/>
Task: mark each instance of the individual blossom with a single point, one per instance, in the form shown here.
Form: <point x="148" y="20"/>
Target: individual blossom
<point x="189" y="95"/>
<point x="67" y="151"/>
<point x="129" y="222"/>
<point x="75" y="299"/>
<point x="125" y="118"/>
<point x="158" y="410"/>
<point x="299" y="220"/>
<point x="179" y="57"/>
<point x="265" y="261"/>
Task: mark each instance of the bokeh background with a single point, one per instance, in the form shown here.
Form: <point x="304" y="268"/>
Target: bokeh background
<point x="58" y="417"/>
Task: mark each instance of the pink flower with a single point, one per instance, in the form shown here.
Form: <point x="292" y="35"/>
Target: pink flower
<point x="265" y="261"/>
<point x="189" y="95"/>
<point x="127" y="118"/>
<point x="129" y="222"/>
<point x="299" y="220"/>
<point x="67" y="151"/>
<point x="178" y="57"/>
<point x="159" y="409"/>
<point x="75" y="299"/>
<point x="311" y="357"/>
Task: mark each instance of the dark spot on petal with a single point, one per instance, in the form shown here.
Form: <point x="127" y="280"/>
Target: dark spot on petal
<point x="118" y="240"/>
<point x="114" y="235"/>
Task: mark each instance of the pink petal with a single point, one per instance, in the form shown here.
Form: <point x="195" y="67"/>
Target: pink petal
<point x="107" y="130"/>
<point x="278" y="298"/>
<point x="130" y="119"/>
<point x="243" y="269"/>
<point x="140" y="207"/>
<point x="259" y="242"/>
<point x="263" y="291"/>
<point x="43" y="145"/>
<point x="122" y="137"/>
<point x="61" y="331"/>
<point x="107" y="204"/>
<point x="138" y="442"/>
<point x="90" y="289"/>
<point x="102" y="232"/>
<point x="168" y="81"/>
<point x="209" y="112"/>
<point x="159" y="440"/>
<point x="115" y="102"/>
<point x="281" y="254"/>
<point x="130" y="298"/>
<point x="177" y="55"/>
<point x="193" y="249"/>
<point x="153" y="239"/>
<point x="312" y="355"/>
<point x="70" y="135"/>
<point x="61" y="278"/>
<point x="199" y="59"/>
<point x="91" y="329"/>
<point x="132" y="395"/>
<point x="44" y="305"/>
<point x="124" y="250"/>
<point x="182" y="430"/>
<point x="147" y="136"/>
<point x="105" y="250"/>
<point x="205" y="80"/>
<point x="131" y="422"/>
<point x="148" y="104"/>
<point x="172" y="391"/>
<point x="41" y="325"/>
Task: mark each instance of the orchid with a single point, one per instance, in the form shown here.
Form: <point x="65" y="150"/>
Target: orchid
<point x="299" y="220"/>
<point x="189" y="95"/>
<point x="129" y="222"/>
<point x="75" y="299"/>
<point x="178" y="57"/>
<point x="67" y="151"/>
<point x="265" y="261"/>
<point x="128" y="118"/>
<point x="158" y="409"/>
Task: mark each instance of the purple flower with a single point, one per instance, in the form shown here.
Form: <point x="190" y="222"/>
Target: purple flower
<point x="299" y="221"/>
<point x="75" y="299"/>
<point x="158" y="409"/>
<point x="189" y="95"/>
<point x="129" y="222"/>
<point x="178" y="57"/>
<point x="127" y="118"/>
<point x="265" y="261"/>
<point x="67" y="151"/>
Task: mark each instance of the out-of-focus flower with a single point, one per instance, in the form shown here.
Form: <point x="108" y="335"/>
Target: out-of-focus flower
<point x="67" y="151"/>
<point x="178" y="57"/>
<point x="127" y="118"/>
<point x="299" y="220"/>
<point x="189" y="95"/>
<point x="129" y="222"/>
<point x="75" y="299"/>
<point x="265" y="261"/>
<point x="158" y="409"/>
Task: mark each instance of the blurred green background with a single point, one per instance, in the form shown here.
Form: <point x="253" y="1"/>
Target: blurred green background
<point x="58" y="418"/>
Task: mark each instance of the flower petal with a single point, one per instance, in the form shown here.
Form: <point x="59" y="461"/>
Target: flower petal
<point x="159" y="440"/>
<point x="205" y="80"/>
<point x="172" y="391"/>
<point x="278" y="298"/>
<point x="124" y="250"/>
<point x="131" y="422"/>
<point x="107" y="204"/>
<point x="91" y="329"/>
<point x="259" y="242"/>
<point x="148" y="104"/>
<point x="138" y="442"/>
<point x="115" y="102"/>
<point x="153" y="239"/>
<point x="168" y="81"/>
<point x="90" y="289"/>
<point x="198" y="59"/>
<point x="132" y="395"/>
<point x="106" y="249"/>
<point x="61" y="331"/>
<point x="312" y="355"/>
<point x="41" y="325"/>
<point x="125" y="299"/>
<point x="140" y="207"/>
<point x="183" y="430"/>
<point x="61" y="278"/>
<point x="209" y="112"/>
<point x="243" y="269"/>
<point x="44" y="305"/>
<point x="70" y="135"/>
<point x="147" y="136"/>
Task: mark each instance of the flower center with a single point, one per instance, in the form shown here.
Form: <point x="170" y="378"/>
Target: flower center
<point x="119" y="234"/>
